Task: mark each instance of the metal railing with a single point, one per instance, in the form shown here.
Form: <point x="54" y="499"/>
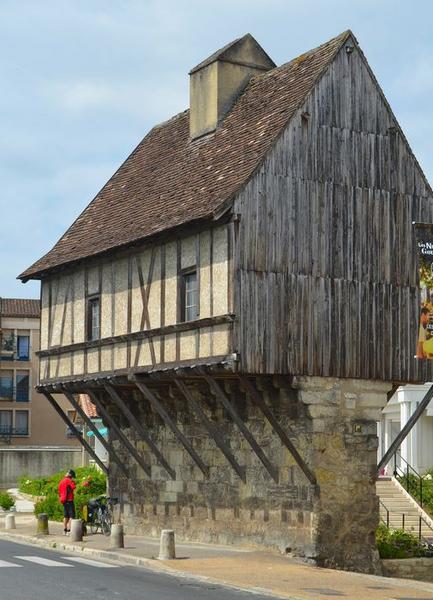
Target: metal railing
<point x="11" y="393"/>
<point x="427" y="542"/>
<point x="6" y="433"/>
<point x="409" y="477"/>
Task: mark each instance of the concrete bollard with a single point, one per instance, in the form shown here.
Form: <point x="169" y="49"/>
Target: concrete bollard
<point x="116" y="536"/>
<point x="166" y="545"/>
<point x="10" y="522"/>
<point x="76" y="530"/>
<point x="42" y="524"/>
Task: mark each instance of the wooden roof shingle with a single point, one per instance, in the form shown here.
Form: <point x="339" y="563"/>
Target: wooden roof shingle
<point x="169" y="180"/>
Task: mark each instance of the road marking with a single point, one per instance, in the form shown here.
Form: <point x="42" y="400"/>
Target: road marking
<point x="91" y="563"/>
<point x="5" y="563"/>
<point x="46" y="562"/>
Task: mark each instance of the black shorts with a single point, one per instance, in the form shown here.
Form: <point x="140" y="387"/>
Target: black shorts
<point x="69" y="509"/>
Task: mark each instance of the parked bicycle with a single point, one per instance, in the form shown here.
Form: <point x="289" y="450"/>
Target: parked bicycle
<point x="100" y="514"/>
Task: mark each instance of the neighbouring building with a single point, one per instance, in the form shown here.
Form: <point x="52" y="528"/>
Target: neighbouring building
<point x="33" y="439"/>
<point x="416" y="451"/>
<point x="239" y="302"/>
<point x="91" y="412"/>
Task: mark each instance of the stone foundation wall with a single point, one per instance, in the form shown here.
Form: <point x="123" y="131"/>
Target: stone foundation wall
<point x="331" y="422"/>
<point x="409" y="568"/>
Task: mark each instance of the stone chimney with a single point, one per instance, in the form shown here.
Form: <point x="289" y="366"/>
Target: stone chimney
<point x="217" y="81"/>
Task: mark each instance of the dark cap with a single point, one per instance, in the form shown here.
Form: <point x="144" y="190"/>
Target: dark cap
<point x="71" y="473"/>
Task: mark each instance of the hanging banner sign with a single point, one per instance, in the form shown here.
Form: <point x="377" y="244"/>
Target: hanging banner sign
<point x="424" y="238"/>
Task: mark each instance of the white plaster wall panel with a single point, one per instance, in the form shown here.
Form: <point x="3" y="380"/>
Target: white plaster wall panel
<point x="137" y="302"/>
<point x="93" y="280"/>
<point x="106" y="325"/>
<point x="188" y="345"/>
<point x="220" y="271"/>
<point x="79" y="307"/>
<point x="106" y="352"/>
<point x="154" y="304"/>
<point x="53" y="366"/>
<point x="120" y="356"/>
<point x="65" y="365"/>
<point x="205" y="347"/>
<point x="221" y="340"/>
<point x="44" y="315"/>
<point x="205" y="287"/>
<point x="92" y="361"/>
<point x="121" y="296"/>
<point x="188" y="257"/>
<point x="145" y="355"/>
<point x="170" y="348"/>
<point x="43" y="368"/>
<point x="78" y="362"/>
<point x="170" y="284"/>
<point x="66" y="333"/>
<point x="57" y="300"/>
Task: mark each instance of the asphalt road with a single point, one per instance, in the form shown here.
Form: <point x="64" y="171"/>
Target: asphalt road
<point x="29" y="572"/>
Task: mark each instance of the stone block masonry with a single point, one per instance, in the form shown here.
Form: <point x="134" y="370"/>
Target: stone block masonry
<point x="331" y="422"/>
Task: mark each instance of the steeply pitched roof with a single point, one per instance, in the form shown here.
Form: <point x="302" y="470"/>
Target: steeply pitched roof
<point x="18" y="307"/>
<point x="169" y="180"/>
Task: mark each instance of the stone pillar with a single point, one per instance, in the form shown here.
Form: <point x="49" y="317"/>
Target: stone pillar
<point x="344" y="416"/>
<point x="405" y="446"/>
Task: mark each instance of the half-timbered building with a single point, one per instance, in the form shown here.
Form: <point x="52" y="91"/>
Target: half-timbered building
<point x="240" y="298"/>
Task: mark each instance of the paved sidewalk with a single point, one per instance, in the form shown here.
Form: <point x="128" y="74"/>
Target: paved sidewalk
<point x="243" y="568"/>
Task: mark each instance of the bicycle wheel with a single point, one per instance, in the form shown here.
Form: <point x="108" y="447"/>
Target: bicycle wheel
<point x="106" y="524"/>
<point x="93" y="524"/>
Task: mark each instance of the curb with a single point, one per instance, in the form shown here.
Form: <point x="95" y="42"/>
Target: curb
<point x="136" y="561"/>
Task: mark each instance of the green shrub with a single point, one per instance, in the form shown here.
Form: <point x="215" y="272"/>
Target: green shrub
<point x="396" y="543"/>
<point x="6" y="501"/>
<point x="90" y="483"/>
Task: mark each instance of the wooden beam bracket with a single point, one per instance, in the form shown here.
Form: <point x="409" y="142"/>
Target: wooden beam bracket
<point x="106" y="444"/>
<point x="141" y="431"/>
<point x="122" y="437"/>
<point x="75" y="431"/>
<point x="211" y="429"/>
<point x="147" y="393"/>
<point x="218" y="392"/>
<point x="258" y="401"/>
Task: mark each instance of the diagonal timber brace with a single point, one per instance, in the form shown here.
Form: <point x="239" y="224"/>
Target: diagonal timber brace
<point x="273" y="472"/>
<point x="122" y="437"/>
<point x="211" y="429"/>
<point x="75" y="431"/>
<point x="147" y="393"/>
<point x="108" y="447"/>
<point x="141" y="431"/>
<point x="258" y="401"/>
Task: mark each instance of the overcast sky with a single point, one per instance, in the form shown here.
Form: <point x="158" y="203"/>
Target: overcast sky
<point x="82" y="81"/>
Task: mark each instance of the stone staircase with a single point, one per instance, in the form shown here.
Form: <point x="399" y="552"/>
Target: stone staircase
<point x="394" y="497"/>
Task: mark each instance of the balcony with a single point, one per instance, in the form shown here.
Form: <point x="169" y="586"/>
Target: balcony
<point x="6" y="433"/>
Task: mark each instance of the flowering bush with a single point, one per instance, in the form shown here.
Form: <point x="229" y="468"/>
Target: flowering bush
<point x="90" y="483"/>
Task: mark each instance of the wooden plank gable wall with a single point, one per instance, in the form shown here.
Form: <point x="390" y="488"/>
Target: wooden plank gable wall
<point x="141" y="324"/>
<point x="326" y="272"/>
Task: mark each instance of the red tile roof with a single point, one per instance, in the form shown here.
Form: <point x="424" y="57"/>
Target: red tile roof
<point x="88" y="407"/>
<point x="18" y="307"/>
<point x="169" y="180"/>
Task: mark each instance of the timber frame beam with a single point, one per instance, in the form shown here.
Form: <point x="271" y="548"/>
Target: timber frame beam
<point x="211" y="429"/>
<point x="122" y="437"/>
<point x="157" y="405"/>
<point x="140" y="430"/>
<point x="218" y="392"/>
<point x="75" y="431"/>
<point x="255" y="396"/>
<point x="106" y="444"/>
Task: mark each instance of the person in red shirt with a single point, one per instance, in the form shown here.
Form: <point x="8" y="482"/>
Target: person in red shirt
<point x="66" y="496"/>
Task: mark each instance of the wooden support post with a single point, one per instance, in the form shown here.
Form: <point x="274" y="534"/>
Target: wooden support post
<point x="122" y="437"/>
<point x="211" y="429"/>
<point x="108" y="447"/>
<point x="258" y="401"/>
<point x="75" y="431"/>
<point x="147" y="393"/>
<point x="273" y="472"/>
<point x="133" y="421"/>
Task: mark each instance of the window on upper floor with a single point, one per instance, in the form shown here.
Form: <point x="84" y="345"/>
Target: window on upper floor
<point x="189" y="295"/>
<point x="21" y="422"/>
<point x="6" y="421"/>
<point x="93" y="318"/>
<point x="22" y="386"/>
<point x="23" y="347"/>
<point x="7" y="385"/>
